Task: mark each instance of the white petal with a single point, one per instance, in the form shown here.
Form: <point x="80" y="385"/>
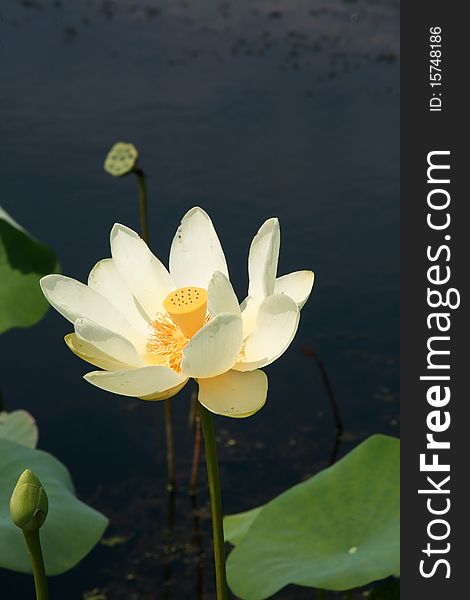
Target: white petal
<point x="234" y="394"/>
<point x="75" y="300"/>
<point x="250" y="308"/>
<point x="91" y="354"/>
<point x="276" y="325"/>
<point x="106" y="280"/>
<point x="221" y="297"/>
<point x="196" y="252"/>
<point x="145" y="382"/>
<point x="215" y="348"/>
<point x="263" y="259"/>
<point x="143" y="273"/>
<point x="169" y="393"/>
<point x="297" y="285"/>
<point x="114" y="345"/>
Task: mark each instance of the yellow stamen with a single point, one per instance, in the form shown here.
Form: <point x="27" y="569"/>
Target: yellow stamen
<point x="171" y="333"/>
<point x="167" y="342"/>
<point x="187" y="308"/>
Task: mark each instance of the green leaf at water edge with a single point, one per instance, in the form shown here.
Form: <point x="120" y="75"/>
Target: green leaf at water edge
<point x="336" y="531"/>
<point x="23" y="261"/>
<point x="71" y="529"/>
<point x="237" y="526"/>
<point x="19" y="426"/>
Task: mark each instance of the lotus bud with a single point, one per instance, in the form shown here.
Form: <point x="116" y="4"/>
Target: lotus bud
<point x="28" y="503"/>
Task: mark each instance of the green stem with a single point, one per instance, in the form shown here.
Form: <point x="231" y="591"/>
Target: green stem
<point x="320" y="594"/>
<point x="144" y="226"/>
<point x="349" y="595"/>
<point x="170" y="456"/>
<point x="35" y="553"/>
<point x="143" y="204"/>
<point x="216" y="502"/>
<point x="196" y="445"/>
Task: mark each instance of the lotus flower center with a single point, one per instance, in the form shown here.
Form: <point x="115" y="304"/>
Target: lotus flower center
<point x="187" y="308"/>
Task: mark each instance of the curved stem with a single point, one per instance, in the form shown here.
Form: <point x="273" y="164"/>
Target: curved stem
<point x="144" y="227"/>
<point x="216" y="502"/>
<point x="37" y="561"/>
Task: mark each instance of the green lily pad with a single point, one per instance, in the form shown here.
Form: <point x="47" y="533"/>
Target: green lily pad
<point x="121" y="159"/>
<point x="71" y="529"/>
<point x="23" y="261"/>
<point x="19" y="426"/>
<point x="237" y="526"/>
<point x="336" y="531"/>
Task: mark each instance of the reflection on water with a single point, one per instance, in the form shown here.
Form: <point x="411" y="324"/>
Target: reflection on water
<point x="250" y="109"/>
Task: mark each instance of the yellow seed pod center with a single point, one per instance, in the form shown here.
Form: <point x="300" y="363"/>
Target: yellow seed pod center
<point x="187" y="308"/>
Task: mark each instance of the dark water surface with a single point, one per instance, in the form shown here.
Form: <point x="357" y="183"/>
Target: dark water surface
<point x="248" y="109"/>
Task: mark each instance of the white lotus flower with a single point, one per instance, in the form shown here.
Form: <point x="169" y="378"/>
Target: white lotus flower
<point x="151" y="330"/>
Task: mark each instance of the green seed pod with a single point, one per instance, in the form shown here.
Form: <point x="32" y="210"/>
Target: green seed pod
<point x="121" y="159"/>
<point x="28" y="503"/>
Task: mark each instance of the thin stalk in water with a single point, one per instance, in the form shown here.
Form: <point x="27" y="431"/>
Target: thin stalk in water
<point x="196" y="426"/>
<point x="210" y="447"/>
<point x="144" y="226"/>
<point x="196" y="540"/>
<point x="170" y="455"/>
<point x="169" y="544"/>
<point x="143" y="204"/>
